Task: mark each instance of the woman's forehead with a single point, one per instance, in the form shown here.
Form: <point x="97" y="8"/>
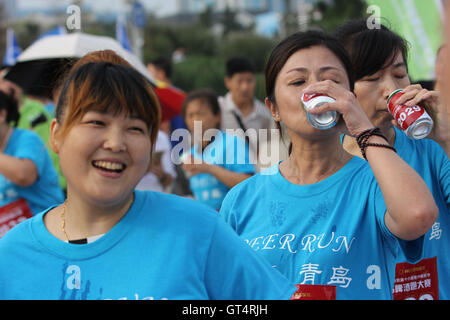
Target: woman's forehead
<point x="316" y="58"/>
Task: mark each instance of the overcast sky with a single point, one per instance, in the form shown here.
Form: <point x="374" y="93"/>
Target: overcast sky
<point x="158" y="7"/>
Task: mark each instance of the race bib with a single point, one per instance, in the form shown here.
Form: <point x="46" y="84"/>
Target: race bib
<point x="416" y="281"/>
<point x="314" y="292"/>
<point x="12" y="214"/>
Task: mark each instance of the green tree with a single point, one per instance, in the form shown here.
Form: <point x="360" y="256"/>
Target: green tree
<point x="252" y="46"/>
<point x="26" y="33"/>
<point x="200" y="72"/>
<point x="337" y="12"/>
<point x="206" y="17"/>
<point x="229" y="22"/>
<point x="290" y="24"/>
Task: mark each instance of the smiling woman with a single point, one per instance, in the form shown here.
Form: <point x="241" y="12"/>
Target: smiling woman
<point x="117" y="114"/>
<point x="109" y="241"/>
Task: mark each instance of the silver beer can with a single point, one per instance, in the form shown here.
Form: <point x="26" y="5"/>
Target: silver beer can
<point x="322" y="121"/>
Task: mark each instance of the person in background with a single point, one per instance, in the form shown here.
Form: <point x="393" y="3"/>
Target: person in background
<point x="239" y="108"/>
<point x="161" y="171"/>
<point x="161" y="69"/>
<point x="217" y="161"/>
<point x="379" y="60"/>
<point x="26" y="170"/>
<point x="331" y="222"/>
<point x="373" y="63"/>
<point x="108" y="240"/>
<point x="35" y="117"/>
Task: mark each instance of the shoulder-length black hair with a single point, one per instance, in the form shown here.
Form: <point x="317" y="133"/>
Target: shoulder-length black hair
<point x="370" y="50"/>
<point x="302" y="40"/>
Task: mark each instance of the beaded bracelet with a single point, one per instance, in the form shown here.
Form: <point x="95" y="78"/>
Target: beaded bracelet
<point x="362" y="138"/>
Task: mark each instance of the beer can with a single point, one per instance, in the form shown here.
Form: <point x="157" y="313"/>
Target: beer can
<point x="415" y="122"/>
<point x="323" y="120"/>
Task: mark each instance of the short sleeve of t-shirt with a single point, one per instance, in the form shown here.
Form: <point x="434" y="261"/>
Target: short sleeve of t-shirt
<point x="235" y="271"/>
<point x="444" y="175"/>
<point x="379" y="208"/>
<point x="28" y="145"/>
<point x="226" y="211"/>
<point x="411" y="249"/>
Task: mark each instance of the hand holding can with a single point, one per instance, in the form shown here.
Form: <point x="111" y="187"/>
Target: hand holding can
<point x="323" y="120"/>
<point x="413" y="120"/>
<point x="345" y="105"/>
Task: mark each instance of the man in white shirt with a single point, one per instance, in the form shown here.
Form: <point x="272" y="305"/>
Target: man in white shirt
<point x="240" y="109"/>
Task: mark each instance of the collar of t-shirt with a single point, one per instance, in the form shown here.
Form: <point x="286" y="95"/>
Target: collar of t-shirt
<point x="86" y="240"/>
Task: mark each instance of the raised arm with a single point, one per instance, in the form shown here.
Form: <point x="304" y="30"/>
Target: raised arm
<point x="411" y="210"/>
<point x="22" y="172"/>
<point x="227" y="177"/>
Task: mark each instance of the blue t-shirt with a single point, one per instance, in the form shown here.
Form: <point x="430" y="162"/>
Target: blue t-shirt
<point x="165" y="247"/>
<point x="331" y="233"/>
<point x="433" y="165"/>
<point x="45" y="191"/>
<point x="227" y="151"/>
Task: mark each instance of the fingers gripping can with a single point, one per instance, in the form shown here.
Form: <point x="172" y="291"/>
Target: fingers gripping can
<point x="323" y="120"/>
<point x="414" y="121"/>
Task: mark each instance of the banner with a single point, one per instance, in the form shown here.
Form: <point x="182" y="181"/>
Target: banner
<point x="420" y="23"/>
<point x="12" y="214"/>
<point x="416" y="281"/>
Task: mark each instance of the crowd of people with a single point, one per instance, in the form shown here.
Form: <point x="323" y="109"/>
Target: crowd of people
<point x="259" y="205"/>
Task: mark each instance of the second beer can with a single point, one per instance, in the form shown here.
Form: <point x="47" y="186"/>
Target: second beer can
<point x="414" y="121"/>
<point x="323" y="120"/>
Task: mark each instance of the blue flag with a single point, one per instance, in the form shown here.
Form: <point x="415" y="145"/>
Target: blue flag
<point x="12" y="48"/>
<point x="121" y="34"/>
<point x="138" y="13"/>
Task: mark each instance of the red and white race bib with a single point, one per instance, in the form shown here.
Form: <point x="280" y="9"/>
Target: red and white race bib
<point x="416" y="281"/>
<point x="314" y="292"/>
<point x="12" y="214"/>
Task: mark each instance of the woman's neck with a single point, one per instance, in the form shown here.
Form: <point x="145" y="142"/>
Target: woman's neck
<point x="84" y="219"/>
<point x="311" y="162"/>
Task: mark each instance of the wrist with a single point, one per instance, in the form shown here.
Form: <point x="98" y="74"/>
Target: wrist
<point x="372" y="138"/>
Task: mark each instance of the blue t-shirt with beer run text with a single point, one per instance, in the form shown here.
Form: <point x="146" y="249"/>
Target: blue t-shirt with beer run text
<point x="329" y="234"/>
